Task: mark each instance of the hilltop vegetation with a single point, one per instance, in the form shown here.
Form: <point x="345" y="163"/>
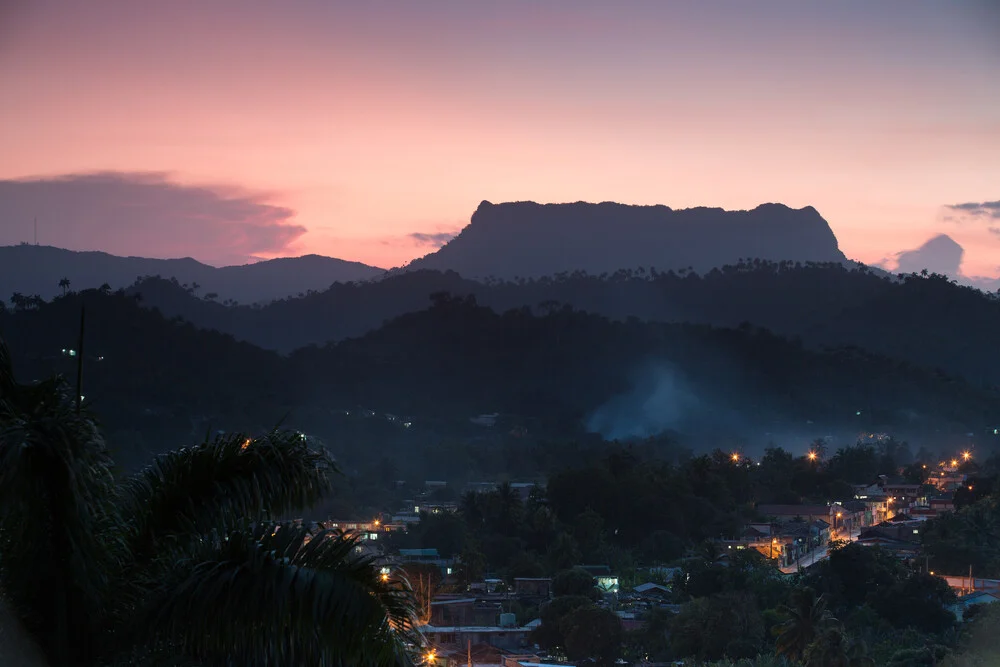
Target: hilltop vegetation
<point x="158" y="382"/>
<point x="924" y="320"/>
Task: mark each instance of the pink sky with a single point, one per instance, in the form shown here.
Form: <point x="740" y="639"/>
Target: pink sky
<point x="342" y="131"/>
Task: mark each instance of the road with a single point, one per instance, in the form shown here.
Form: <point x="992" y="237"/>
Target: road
<point x="815" y="556"/>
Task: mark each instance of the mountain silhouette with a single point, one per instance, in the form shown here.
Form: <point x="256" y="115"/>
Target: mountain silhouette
<point x="30" y="269"/>
<point x="525" y="239"/>
<point x="915" y="318"/>
<point x="159" y="382"/>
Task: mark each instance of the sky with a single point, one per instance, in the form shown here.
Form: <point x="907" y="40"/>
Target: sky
<point x="231" y="129"/>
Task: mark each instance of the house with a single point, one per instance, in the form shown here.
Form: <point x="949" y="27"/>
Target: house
<point x="976" y="598"/>
<point x="533" y="587"/>
<point x="902" y="538"/>
<point x="651" y="590"/>
<point x="965" y="584"/>
<point x="479" y="655"/>
<point x="629" y="619"/>
<point x="507" y="638"/>
<point x="427" y="556"/>
<point x="785" y="513"/>
<point x="464" y="612"/>
<point x="942" y="503"/>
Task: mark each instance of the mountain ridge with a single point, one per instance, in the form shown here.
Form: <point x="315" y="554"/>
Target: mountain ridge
<point x="32" y="269"/>
<point x="608" y="236"/>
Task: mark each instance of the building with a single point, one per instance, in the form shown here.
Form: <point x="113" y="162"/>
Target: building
<point x="976" y="598"/>
<point x="464" y="612"/>
<point x="652" y="591"/>
<point x="506" y="638"/>
<point x="786" y="513"/>
<point x="942" y="503"/>
<point x="428" y="557"/>
<point x="900" y="538"/>
<point x="533" y="587"/>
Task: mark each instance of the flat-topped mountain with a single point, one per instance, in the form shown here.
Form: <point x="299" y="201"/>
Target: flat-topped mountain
<point x="529" y="240"/>
<point x="30" y="269"/>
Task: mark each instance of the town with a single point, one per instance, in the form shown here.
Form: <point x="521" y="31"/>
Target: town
<point x="553" y="572"/>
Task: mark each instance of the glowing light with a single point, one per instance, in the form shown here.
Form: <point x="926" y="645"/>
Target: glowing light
<point x="812" y="456"/>
<point x="966" y="455"/>
<point x="246" y="443"/>
<point x="954" y="462"/>
<point x="735" y="457"/>
<point x="377" y="522"/>
<point x="431" y="656"/>
<point x="840" y="514"/>
<point x="385" y="577"/>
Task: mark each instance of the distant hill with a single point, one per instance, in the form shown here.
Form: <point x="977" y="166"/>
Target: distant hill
<point x="158" y="383"/>
<point x="924" y="320"/>
<point x="525" y="239"/>
<point x="30" y="269"/>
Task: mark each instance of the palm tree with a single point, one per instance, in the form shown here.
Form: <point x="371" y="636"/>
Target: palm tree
<point x="830" y="649"/>
<point x="64" y="284"/>
<point x="180" y="561"/>
<point x="807" y="618"/>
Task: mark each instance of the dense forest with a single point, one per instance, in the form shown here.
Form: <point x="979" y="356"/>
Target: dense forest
<point x="926" y="320"/>
<point x="408" y="389"/>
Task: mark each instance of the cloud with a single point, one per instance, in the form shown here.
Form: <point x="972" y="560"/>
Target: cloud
<point x="994" y="230"/>
<point x="433" y="239"/>
<point x="986" y="209"/>
<point x="145" y="214"/>
<point x="940" y="254"/>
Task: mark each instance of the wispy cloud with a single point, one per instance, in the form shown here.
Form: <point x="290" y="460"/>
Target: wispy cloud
<point x="145" y="214"/>
<point x="994" y="230"/>
<point x="432" y="239"/>
<point x="986" y="209"/>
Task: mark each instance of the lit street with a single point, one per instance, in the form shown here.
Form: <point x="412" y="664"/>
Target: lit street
<point x="815" y="556"/>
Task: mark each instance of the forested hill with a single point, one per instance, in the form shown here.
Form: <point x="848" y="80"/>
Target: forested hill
<point x="157" y="383"/>
<point x="924" y="320"/>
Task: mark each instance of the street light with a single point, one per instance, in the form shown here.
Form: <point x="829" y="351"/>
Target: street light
<point x="735" y="457"/>
<point x="966" y="455"/>
<point x="812" y="456"/>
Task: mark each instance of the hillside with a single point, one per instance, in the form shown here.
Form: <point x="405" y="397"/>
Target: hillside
<point x="924" y="320"/>
<point x="529" y="240"/>
<point x="159" y="383"/>
<point x="29" y="269"/>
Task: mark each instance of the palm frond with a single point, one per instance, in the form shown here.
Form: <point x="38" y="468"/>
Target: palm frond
<point x="58" y="517"/>
<point x="7" y="383"/>
<point x="222" y="483"/>
<point x="281" y="595"/>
